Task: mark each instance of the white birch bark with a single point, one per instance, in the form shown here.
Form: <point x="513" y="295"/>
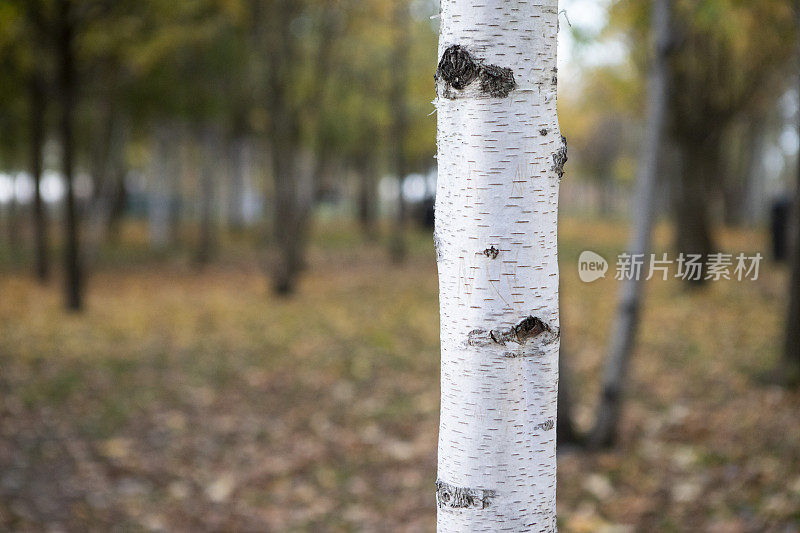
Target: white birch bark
<point x="501" y="157"/>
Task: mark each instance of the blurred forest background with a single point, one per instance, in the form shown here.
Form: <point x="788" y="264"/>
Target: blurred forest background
<point x="218" y="295"/>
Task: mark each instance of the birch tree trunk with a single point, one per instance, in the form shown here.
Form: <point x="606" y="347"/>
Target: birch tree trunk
<point x="501" y="158"/>
<point x="627" y="319"/>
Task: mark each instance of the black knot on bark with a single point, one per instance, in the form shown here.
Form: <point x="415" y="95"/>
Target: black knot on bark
<point x="457" y="68"/>
<point x="497" y="81"/>
<point x="453" y="497"/>
<point x="528" y="328"/>
<point x="491" y="253"/>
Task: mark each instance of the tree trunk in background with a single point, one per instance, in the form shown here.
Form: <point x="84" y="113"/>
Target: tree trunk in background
<point x="792" y="346"/>
<point x="566" y="431"/>
<point x="176" y="162"/>
<point x="740" y="184"/>
<point x="399" y="112"/>
<point x="12" y="220"/>
<point x="284" y="135"/>
<point x="626" y="324"/>
<point x="500" y="159"/>
<point x="700" y="161"/>
<point x="158" y="190"/>
<point x="236" y="198"/>
<point x="367" y="197"/>
<point x="72" y="259"/>
<point x="109" y="170"/>
<point x="115" y="196"/>
<point x="37" y="109"/>
<point x="100" y="149"/>
<point x="791" y="354"/>
<point x="755" y="206"/>
<point x="210" y="153"/>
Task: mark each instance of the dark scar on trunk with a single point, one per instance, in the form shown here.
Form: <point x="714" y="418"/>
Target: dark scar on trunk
<point x="453" y="497"/>
<point x="491" y="253"/>
<point x="497" y="81"/>
<point x="458" y="68"/>
<point x="527" y="329"/>
<point x="546" y="425"/>
<point x="560" y="158"/>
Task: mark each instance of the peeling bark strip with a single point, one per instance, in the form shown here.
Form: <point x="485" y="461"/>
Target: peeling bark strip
<point x="458" y="68"/>
<point x="521" y="333"/>
<point x="452" y="497"/>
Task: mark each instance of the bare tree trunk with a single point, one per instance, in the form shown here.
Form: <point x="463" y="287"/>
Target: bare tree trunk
<point x="12" y="219"/>
<point x="205" y="246"/>
<point x="754" y="203"/>
<point x="367" y="197"/>
<point x="109" y="171"/>
<point x="284" y="137"/>
<point x="72" y="259"/>
<point x="158" y="193"/>
<point x="699" y="163"/>
<point x="501" y="158"/>
<point x="397" y="98"/>
<point x="791" y="354"/>
<point x="627" y="318"/>
<point x="119" y="203"/>
<point x="236" y="199"/>
<point x="566" y="431"/>
<point x="37" y="111"/>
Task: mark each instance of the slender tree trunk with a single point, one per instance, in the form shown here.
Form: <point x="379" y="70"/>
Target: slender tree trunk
<point x="205" y="247"/>
<point x="236" y="200"/>
<point x="501" y="158"/>
<point x="754" y="204"/>
<point x="119" y="203"/>
<point x="37" y="109"/>
<point x="108" y="172"/>
<point x="367" y="196"/>
<point x="176" y="163"/>
<point x="566" y="431"/>
<point x="397" y="98"/>
<point x="791" y="354"/>
<point x="792" y="345"/>
<point x="72" y="259"/>
<point x="12" y="226"/>
<point x="631" y="293"/>
<point x="158" y="194"/>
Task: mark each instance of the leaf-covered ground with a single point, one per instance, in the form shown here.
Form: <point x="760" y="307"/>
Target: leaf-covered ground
<point x="187" y="400"/>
